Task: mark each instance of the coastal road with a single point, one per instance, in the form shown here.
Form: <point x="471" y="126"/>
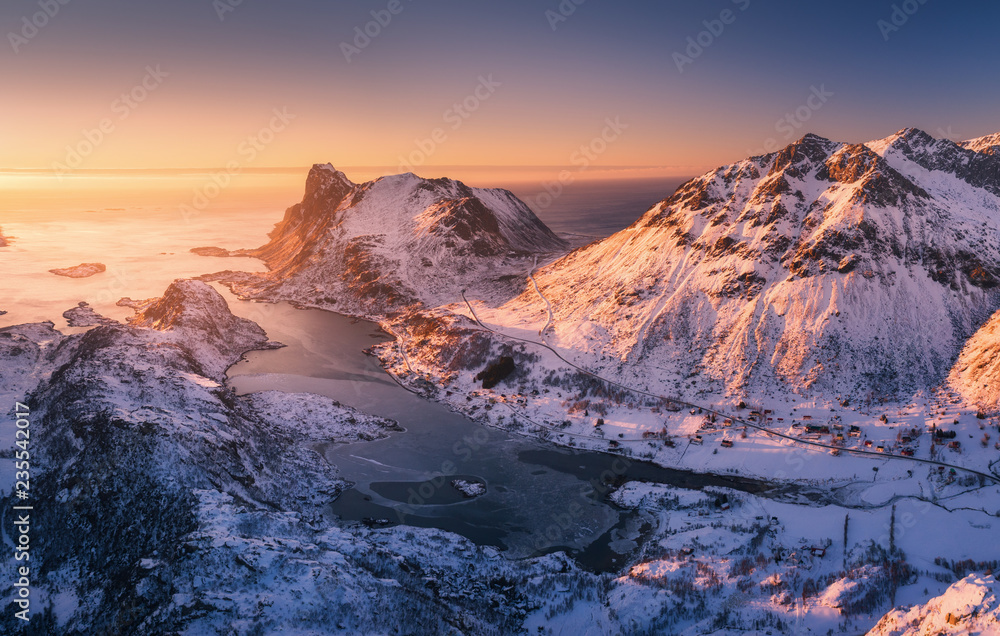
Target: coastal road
<point x="735" y="419"/>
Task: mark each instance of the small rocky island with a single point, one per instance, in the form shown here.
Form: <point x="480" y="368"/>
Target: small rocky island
<point x="469" y="489"/>
<point x="84" y="270"/>
<point x="83" y="315"/>
<point x="210" y="251"/>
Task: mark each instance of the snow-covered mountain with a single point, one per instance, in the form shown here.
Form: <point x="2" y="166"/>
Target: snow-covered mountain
<point x="825" y="266"/>
<point x="969" y="606"/>
<point x="396" y="242"/>
<point x="990" y="144"/>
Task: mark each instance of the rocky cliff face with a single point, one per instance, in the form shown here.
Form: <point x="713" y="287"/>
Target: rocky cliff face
<point x="396" y="242"/>
<point x="196" y="319"/>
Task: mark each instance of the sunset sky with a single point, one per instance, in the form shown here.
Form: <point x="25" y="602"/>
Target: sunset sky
<point x="216" y="73"/>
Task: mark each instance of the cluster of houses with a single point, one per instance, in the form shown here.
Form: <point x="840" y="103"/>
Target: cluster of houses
<point x="712" y="424"/>
<point x="833" y="430"/>
<point x="800" y="555"/>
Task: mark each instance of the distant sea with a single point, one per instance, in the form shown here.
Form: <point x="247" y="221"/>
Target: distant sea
<point x="596" y="208"/>
<point x="143" y="224"/>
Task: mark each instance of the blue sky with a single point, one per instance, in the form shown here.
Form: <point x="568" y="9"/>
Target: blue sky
<point x="559" y="78"/>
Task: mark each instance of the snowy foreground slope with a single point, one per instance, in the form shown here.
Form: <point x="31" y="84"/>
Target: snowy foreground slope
<point x="396" y="242"/>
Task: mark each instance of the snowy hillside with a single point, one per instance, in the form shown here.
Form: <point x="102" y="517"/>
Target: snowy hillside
<point x="396" y="242"/>
<point x="969" y="606"/>
<point x="976" y="375"/>
<point x="825" y="266"/>
<point x="131" y="423"/>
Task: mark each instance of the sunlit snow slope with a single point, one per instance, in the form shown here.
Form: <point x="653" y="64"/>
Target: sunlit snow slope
<point x="825" y="266"/>
<point x="976" y="375"/>
<point x="969" y="606"/>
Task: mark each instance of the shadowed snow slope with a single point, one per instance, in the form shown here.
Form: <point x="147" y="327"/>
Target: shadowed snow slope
<point x="825" y="266"/>
<point x="396" y="241"/>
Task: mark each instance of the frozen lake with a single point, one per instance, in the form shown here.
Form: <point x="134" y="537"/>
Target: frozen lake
<point x="538" y="497"/>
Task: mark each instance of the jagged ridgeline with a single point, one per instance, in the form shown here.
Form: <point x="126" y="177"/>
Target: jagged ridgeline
<point x="825" y="266"/>
<point x="396" y="242"/>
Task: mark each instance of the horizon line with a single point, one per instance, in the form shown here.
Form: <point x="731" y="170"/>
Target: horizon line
<point x="294" y="169"/>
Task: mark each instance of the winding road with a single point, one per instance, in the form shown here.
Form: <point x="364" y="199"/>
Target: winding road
<point x="548" y="305"/>
<point x="399" y="343"/>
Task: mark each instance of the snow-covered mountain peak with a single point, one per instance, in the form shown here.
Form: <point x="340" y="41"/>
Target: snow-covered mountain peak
<point x="988" y="144"/>
<point x="800" y="157"/>
<point x="941" y="164"/>
<point x="903" y="137"/>
<point x="197" y="318"/>
<point x="398" y="241"/>
<point x="326" y="182"/>
<point x="827" y="265"/>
